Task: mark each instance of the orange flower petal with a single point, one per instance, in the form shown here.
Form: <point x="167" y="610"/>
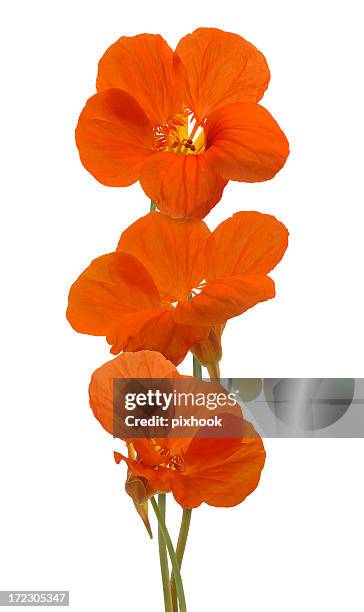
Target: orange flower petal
<point x="246" y="243"/>
<point x="221" y="68"/>
<point x="112" y="287"/>
<point x="145" y="449"/>
<point x="224" y="298"/>
<point x="157" y="331"/>
<point x="182" y="185"/>
<point x="173" y="252"/>
<point x="144" y="364"/>
<point x="245" y="143"/>
<point x="114" y="137"/>
<point x="130" y="331"/>
<point x="220" y="472"/>
<point x="143" y="66"/>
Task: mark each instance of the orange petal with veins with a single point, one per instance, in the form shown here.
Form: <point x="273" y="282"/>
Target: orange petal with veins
<point x="221" y="68"/>
<point x="114" y="137"/>
<point x="145" y="67"/>
<point x="113" y="287"/>
<point x="245" y="143"/>
<point x="173" y="252"/>
<point x="246" y="243"/>
<point x="182" y="185"/>
<point x="224" y="298"/>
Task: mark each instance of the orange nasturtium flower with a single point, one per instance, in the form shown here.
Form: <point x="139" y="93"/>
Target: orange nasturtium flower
<point x="172" y="282"/>
<point x="183" y="123"/>
<point x="219" y="472"/>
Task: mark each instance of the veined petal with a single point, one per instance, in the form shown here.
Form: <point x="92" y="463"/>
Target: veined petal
<point x="172" y="250"/>
<point x="221" y="68"/>
<point x="225" y="298"/>
<point x="114" y="138"/>
<point x="143" y="364"/>
<point x="157" y="332"/>
<point x="246" y="243"/>
<point x="220" y="472"/>
<point x="245" y="143"/>
<point x="144" y="66"/>
<point x="182" y="185"/>
<point x="113" y="286"/>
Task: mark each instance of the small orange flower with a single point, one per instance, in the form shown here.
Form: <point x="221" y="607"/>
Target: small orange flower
<point x="183" y="123"/>
<point x="148" y="306"/>
<point x="190" y="281"/>
<point x="219" y="472"/>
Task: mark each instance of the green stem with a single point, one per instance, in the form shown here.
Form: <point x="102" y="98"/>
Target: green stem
<point x="172" y="556"/>
<point x="180" y="551"/>
<point x="163" y="557"/>
<point x="197" y="368"/>
<point x="153" y="205"/>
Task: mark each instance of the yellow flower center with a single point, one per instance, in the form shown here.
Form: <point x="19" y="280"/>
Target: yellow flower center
<point x="180" y="136"/>
<point x="173" y="462"/>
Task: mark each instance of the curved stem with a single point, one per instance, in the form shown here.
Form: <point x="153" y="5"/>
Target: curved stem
<point x="180" y="551"/>
<point x="163" y="556"/>
<point x="153" y="205"/>
<point x="172" y="556"/>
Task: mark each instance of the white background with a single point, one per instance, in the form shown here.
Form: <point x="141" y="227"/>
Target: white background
<point x="65" y="523"/>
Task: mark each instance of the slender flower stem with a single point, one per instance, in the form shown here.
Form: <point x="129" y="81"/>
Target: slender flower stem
<point x="153" y="205"/>
<point x="172" y="556"/>
<point x="180" y="551"/>
<point x="163" y="556"/>
<point x="197" y="368"/>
